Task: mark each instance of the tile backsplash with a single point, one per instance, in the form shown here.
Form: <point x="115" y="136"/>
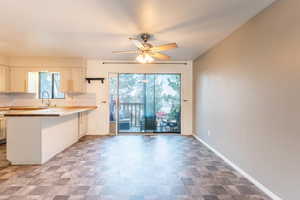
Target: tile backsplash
<point x="87" y="99"/>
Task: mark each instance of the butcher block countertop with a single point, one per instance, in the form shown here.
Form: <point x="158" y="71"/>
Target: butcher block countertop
<point x="4" y="108"/>
<point x="46" y="112"/>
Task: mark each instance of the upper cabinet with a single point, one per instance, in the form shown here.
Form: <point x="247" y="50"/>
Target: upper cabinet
<point x="15" y="78"/>
<point x="13" y="81"/>
<point x="18" y="80"/>
<point x="73" y="80"/>
<point x="4" y="79"/>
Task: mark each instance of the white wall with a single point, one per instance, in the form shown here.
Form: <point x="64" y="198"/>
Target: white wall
<point x="248" y="97"/>
<point x="99" y="119"/>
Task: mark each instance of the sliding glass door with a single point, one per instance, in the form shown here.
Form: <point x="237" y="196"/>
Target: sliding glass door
<point x="146" y="103"/>
<point x="168" y="103"/>
<point x="131" y="103"/>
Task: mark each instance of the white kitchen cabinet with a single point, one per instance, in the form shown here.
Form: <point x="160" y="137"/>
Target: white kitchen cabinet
<point x="4" y="79"/>
<point x="83" y="124"/>
<point x="66" y="85"/>
<point x="18" y="80"/>
<point x="78" y="77"/>
<point x="73" y="80"/>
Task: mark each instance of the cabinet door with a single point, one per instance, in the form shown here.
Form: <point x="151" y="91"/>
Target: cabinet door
<point x="66" y="81"/>
<point x="4" y="79"/>
<point x="73" y="80"/>
<point x="18" y="82"/>
<point x="7" y="79"/>
<point x="83" y="124"/>
<point x="76" y="79"/>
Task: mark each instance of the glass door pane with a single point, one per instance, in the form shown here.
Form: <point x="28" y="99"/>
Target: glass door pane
<point x="131" y="103"/>
<point x="149" y="85"/>
<point x="113" y="102"/>
<point x="168" y="103"/>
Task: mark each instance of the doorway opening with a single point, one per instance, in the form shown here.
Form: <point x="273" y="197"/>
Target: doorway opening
<point x="145" y="103"/>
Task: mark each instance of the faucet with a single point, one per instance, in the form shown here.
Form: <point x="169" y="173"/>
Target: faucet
<point x="48" y="95"/>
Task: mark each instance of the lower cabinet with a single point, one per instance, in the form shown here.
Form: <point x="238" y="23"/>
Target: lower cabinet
<point x="83" y="124"/>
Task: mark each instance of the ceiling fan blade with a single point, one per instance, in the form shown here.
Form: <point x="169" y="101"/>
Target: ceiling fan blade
<point x="130" y="51"/>
<point x="137" y="43"/>
<point x="160" y="56"/>
<point x="164" y="47"/>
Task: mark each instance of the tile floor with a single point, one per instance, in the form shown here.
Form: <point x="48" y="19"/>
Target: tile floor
<point x="164" y="167"/>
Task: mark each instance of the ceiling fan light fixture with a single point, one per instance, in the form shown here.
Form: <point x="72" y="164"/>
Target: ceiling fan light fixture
<point x="146" y="52"/>
<point x="144" y="58"/>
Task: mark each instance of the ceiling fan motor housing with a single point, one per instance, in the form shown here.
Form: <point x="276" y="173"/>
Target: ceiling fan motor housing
<point x="145" y="37"/>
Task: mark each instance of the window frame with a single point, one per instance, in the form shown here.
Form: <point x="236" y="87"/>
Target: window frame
<point x="52" y="86"/>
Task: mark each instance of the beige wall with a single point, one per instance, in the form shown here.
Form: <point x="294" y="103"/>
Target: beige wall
<point x="248" y="97"/>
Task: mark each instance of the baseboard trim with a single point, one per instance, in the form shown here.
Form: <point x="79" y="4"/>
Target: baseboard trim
<point x="238" y="169"/>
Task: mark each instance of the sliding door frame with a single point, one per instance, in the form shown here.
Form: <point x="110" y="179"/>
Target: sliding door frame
<point x="118" y="104"/>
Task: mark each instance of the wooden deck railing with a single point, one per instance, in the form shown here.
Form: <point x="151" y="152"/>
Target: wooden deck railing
<point x="134" y="111"/>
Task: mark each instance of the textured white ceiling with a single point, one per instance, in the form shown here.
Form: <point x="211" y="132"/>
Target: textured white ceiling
<point x="94" y="28"/>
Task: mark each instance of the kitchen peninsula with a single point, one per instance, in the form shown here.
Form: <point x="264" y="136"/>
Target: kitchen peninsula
<point x="35" y="135"/>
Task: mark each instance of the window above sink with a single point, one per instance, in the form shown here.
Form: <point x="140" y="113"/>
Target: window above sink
<point x="45" y="84"/>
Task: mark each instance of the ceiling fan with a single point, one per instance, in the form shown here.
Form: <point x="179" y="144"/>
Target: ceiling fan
<point x="146" y="51"/>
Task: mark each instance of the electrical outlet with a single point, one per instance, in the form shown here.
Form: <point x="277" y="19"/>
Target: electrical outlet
<point x="208" y="132"/>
